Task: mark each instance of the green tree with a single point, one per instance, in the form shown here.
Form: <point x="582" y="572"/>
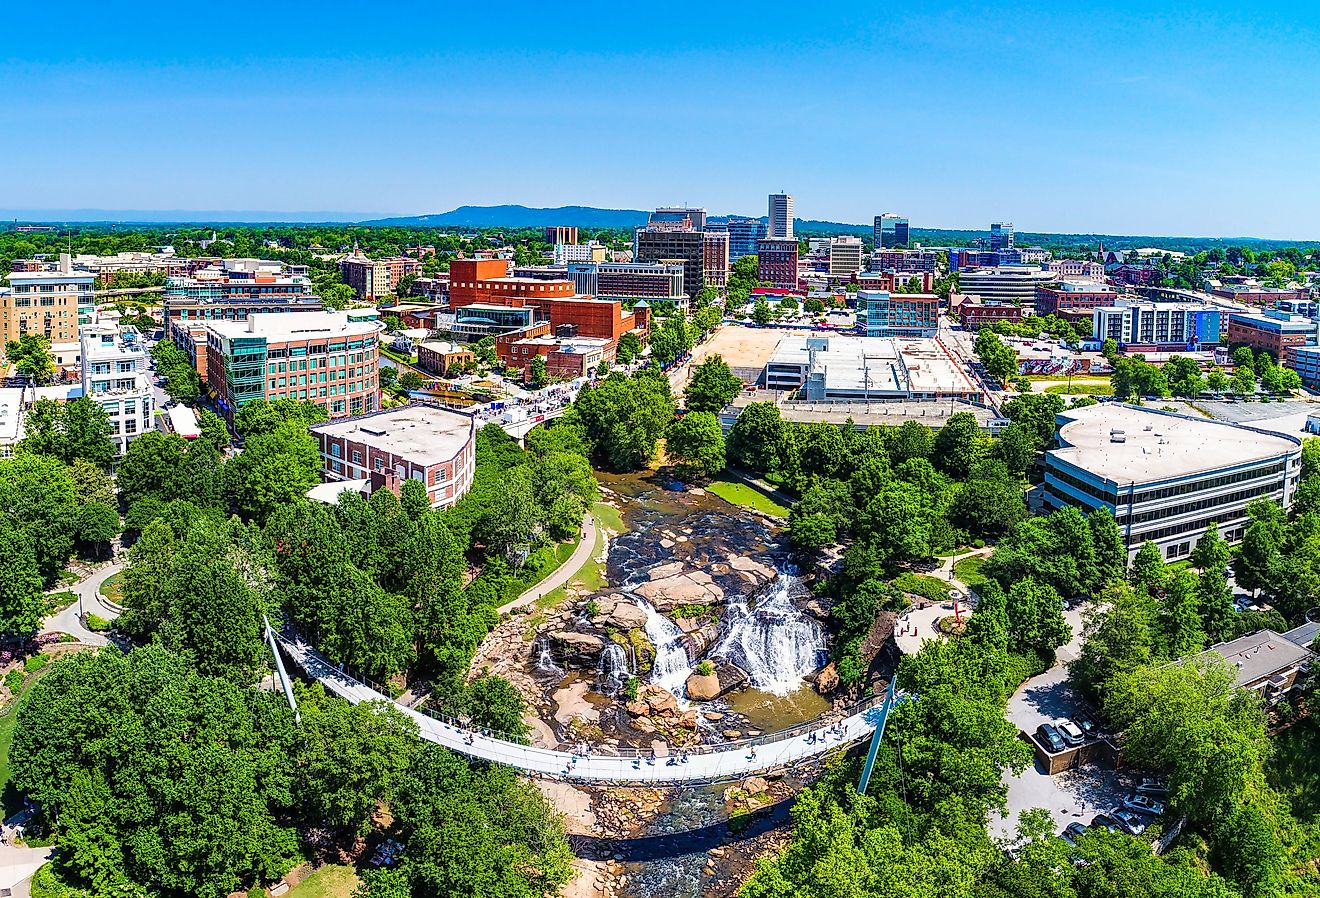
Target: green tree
<point x="1180" y="616"/>
<point x="990" y="502"/>
<point x="696" y="442"/>
<point x="21" y="599"/>
<point x="910" y="440"/>
<point x="1217" y="381"/>
<point x="1148" y="572"/>
<point x="213" y="428"/>
<point x="1184" y="376"/>
<point x="273" y="469"/>
<point x="1016" y="448"/>
<point x="79" y="429"/>
<point x="495" y="703"/>
<point x="999" y="359"/>
<point x="630" y="348"/>
<point x="959" y="445"/>
<point x="759" y="438"/>
<point x="1035" y="617"/>
<point x="1259" y="558"/>
<point x="537" y="375"/>
<point x="822" y="515"/>
<point x="410" y="380"/>
<point x="761" y="311"/>
<point x="1110" y="551"/>
<point x="261" y="416"/>
<point x="97" y="525"/>
<point x="623" y="417"/>
<point x="40" y="498"/>
<point x="1244" y="380"/>
<point x="712" y="387"/>
<point x="1121" y="635"/>
<point x="30" y="356"/>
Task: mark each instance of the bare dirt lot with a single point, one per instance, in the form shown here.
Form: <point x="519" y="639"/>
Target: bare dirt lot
<point x="745" y="347"/>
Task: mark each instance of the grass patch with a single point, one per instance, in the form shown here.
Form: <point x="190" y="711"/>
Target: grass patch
<point x="609" y="516"/>
<point x="1087" y="389"/>
<point x="113" y="588"/>
<point x="330" y="881"/>
<point x="968" y="570"/>
<point x="58" y="601"/>
<point x="1293" y="772"/>
<point x="923" y="585"/>
<point x="744" y="496"/>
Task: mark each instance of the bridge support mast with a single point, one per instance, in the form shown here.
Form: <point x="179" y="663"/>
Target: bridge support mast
<point x="280" y="671"/>
<point x="878" y="735"/>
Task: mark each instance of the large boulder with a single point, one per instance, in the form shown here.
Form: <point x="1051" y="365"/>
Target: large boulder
<point x="703" y="687"/>
<point x="576" y="648"/>
<point x="627" y="616"/>
<point x="756" y="573"/>
<point x="828" y="679"/>
<point x="680" y="588"/>
<point x="661" y="701"/>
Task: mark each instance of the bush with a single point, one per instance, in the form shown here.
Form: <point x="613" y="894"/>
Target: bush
<point x="593" y="608"/>
<point x="98" y="624"/>
<point x="705" y="669"/>
<point x="684" y="611"/>
<point x="36" y="662"/>
<point x="630" y="689"/>
<point x="14" y="681"/>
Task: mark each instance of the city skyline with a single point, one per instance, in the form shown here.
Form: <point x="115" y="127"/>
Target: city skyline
<point x="1085" y="120"/>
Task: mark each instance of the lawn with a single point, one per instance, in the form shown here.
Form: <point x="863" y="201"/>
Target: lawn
<point x="744" y="496"/>
<point x="113" y="589"/>
<point x="589" y="578"/>
<point x="330" y="881"/>
<point x="609" y="516"/>
<point x="1082" y="389"/>
<point x="924" y="585"/>
<point x="968" y="570"/>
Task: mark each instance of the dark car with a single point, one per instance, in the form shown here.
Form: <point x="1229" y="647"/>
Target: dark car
<point x="1104" y="821"/>
<point x="1050" y="737"/>
<point x="1131" y="822"/>
<point x="1088" y="725"/>
<point x="1153" y="787"/>
<point x="1073" y="832"/>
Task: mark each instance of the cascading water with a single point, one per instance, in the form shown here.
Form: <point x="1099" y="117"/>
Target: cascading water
<point x="545" y="662"/>
<point x="775" y="643"/>
<point x="672" y="665"/>
<point x="614" y="669"/>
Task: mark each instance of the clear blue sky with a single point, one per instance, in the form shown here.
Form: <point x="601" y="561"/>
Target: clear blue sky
<point x="1183" y="118"/>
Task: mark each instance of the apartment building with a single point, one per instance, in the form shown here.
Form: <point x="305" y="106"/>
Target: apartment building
<point x="323" y="357"/>
<point x="1164" y="326"/>
<point x="715" y="259"/>
<point x="906" y="260"/>
<point x="114" y="375"/>
<point x="373" y="279"/>
<point x="1075" y="300"/>
<point x="47" y="303"/>
<point x="1076" y="269"/>
<point x="778" y="263"/>
<point x="564" y="253"/>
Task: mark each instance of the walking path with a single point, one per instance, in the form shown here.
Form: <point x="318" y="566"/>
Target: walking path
<point x="562" y="574"/>
<point x="90" y="600"/>
<point x="707" y="764"/>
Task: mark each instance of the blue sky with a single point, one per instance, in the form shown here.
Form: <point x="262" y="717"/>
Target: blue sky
<point x="1193" y="118"/>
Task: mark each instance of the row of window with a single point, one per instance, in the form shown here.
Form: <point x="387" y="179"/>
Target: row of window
<point x="1239" y="497"/>
<point x="1205" y="484"/>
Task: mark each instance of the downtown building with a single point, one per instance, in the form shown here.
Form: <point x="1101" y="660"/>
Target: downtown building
<point x="883" y="314"/>
<point x="1272" y="331"/>
<point x="47" y="303"/>
<point x="321" y="357"/>
<point x="373" y="279"/>
<point x="777" y="263"/>
<point x="1167" y="477"/>
<point x="845" y="257"/>
<point x="679" y="235"/>
<point x="780" y="226"/>
<point x="906" y="260"/>
<point x="1073" y="300"/>
<point x="744" y="236"/>
<point x="114" y="376"/>
<point x="1009" y="283"/>
<point x="630" y="282"/>
<point x="890" y="231"/>
<point x="1157" y="327"/>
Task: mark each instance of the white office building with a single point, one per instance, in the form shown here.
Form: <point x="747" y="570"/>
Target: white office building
<point x="781" y="217"/>
<point x="1167" y="477"/>
<point x="114" y="374"/>
<point x="845" y="256"/>
<point x="1007" y="283"/>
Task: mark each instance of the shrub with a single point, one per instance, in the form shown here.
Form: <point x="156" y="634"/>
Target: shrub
<point x="14" y="680"/>
<point x="98" y="624"/>
<point x="705" y="669"/>
<point x="630" y="689"/>
<point x="693" y="610"/>
<point x="36" y="662"/>
<point x="593" y="608"/>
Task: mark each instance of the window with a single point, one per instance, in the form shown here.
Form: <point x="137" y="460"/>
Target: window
<point x="357" y="457"/>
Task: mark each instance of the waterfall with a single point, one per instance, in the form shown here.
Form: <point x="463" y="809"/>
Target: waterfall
<point x="614" y="669"/>
<point x="776" y="644"/>
<point x="672" y="665"/>
<point x="545" y="662"/>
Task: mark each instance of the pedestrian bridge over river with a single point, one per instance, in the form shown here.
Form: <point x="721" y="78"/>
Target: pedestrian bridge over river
<point x="596" y="765"/>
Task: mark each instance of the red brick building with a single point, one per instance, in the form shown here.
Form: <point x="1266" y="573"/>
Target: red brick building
<point x="890" y="281"/>
<point x="976" y="315"/>
<point x="1073" y="300"/>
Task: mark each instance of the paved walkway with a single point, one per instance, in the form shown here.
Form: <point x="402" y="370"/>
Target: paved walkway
<point x="17" y="864"/>
<point x="89" y="591"/>
<point x="710" y="764"/>
<point x="562" y="574"/>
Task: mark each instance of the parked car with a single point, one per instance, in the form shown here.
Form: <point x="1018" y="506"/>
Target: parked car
<point x="1050" y="736"/>
<point x="1073" y="832"/>
<point x="1151" y="786"/>
<point x="1104" y="821"/>
<point x="1144" y="804"/>
<point x="1088" y="725"/>
<point x="1130" y="822"/>
<point x="1071" y="733"/>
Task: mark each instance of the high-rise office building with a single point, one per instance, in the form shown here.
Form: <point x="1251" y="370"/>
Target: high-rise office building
<point x="781" y="217"/>
<point x="557" y="234"/>
<point x="674" y="216"/>
<point x="744" y="233"/>
<point x="1001" y="236"/>
<point x="890" y="231"/>
<point x="845" y="256"/>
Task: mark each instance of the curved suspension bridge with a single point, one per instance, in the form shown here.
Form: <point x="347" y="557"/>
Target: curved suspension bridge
<point x="725" y="762"/>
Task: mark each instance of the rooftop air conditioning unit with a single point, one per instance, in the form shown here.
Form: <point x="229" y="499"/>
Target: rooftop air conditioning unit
<point x="1117" y="436"/>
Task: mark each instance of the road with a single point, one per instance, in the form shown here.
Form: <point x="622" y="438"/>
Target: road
<point x="89" y="591"/>
<point x="17" y="864"/>
<point x="562" y="574"/>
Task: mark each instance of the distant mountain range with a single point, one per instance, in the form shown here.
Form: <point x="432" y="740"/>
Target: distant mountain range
<point x="577" y="216"/>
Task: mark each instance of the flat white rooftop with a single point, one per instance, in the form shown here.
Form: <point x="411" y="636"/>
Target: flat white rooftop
<point x="423" y="434"/>
<point x="1158" y="445"/>
<point x="878" y="364"/>
<point x="293" y="325"/>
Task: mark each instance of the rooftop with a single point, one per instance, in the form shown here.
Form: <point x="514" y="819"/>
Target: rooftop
<point x="293" y="325"/>
<point x="423" y="434"/>
<point x="1259" y="655"/>
<point x="1125" y="444"/>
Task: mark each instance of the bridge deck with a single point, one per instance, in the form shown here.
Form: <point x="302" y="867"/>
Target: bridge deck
<point x="709" y="764"/>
